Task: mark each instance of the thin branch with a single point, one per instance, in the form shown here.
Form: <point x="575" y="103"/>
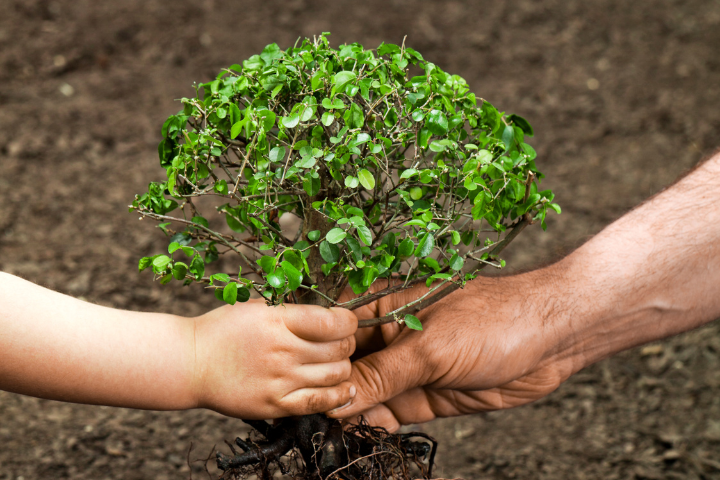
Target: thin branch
<point x="416" y="306"/>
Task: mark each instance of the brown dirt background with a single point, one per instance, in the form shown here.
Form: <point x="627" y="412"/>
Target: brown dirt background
<point x="624" y="96"/>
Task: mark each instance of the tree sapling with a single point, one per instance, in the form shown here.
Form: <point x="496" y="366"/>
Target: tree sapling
<point x="333" y="168"/>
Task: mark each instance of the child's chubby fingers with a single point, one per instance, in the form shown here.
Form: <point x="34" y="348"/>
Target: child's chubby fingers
<point x="318" y="324"/>
<point x="306" y="401"/>
<point x="323" y="374"/>
<point x="324" y="352"/>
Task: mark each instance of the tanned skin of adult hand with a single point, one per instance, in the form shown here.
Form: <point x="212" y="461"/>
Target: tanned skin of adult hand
<point x="505" y="342"/>
<point x="248" y="360"/>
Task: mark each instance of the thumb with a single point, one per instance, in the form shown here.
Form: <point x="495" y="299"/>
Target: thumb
<point x="381" y="376"/>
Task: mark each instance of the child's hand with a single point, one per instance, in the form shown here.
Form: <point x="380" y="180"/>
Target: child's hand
<point x="260" y="362"/>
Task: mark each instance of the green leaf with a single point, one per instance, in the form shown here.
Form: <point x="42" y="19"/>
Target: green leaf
<point x="416" y="193"/>
<point x="415" y="223"/>
<point x="235" y="114"/>
<point x="365" y="235"/>
<point x="197" y="267"/>
<point x="361" y="138"/>
<point x="329" y="252"/>
<point x="437" y="122"/>
<point x="341" y="79"/>
<point x="161" y="261"/>
<point x="276" y="279"/>
<point x="277" y="154"/>
<point x="230" y="293"/>
<point x="555" y="207"/>
<point x="268" y="119"/>
<point x="327" y="119"/>
<point x="201" y="221"/>
<point x="508" y="136"/>
<point x="271" y="52"/>
<point x="418" y="115"/>
<point x="426" y="245"/>
<point x="306" y="162"/>
<point x="223" y="277"/>
<point x="173" y="247"/>
<point x="237" y="128"/>
<point x="314" y="235"/>
<point x="311" y="185"/>
<point x="355" y="279"/>
<point x="412" y="322"/>
<point x="456" y="262"/>
<point x="145" y="262"/>
<point x="423" y="137"/>
<point x="308" y="108"/>
<point x="366" y="179"/>
<point x="327" y="267"/>
<point x="355" y="212"/>
<point x="406" y="247"/>
<point x="243" y="294"/>
<point x="355" y="247"/>
<point x="336" y="235"/>
<point x="409" y="172"/>
<point x="522" y="123"/>
<point x="351" y="182"/>
<point x="291" y="121"/>
<point x="179" y="270"/>
<point x="386" y="48"/>
<point x="354" y="117"/>
<point x="455" y="237"/>
<point x="234" y="224"/>
<point x="267" y="263"/>
<point x="294" y="277"/>
<point x="316" y="81"/>
<point x="369" y="275"/>
<point x="221" y="187"/>
<point x="436" y="146"/>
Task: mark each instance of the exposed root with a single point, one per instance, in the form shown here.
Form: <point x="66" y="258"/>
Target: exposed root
<point x="315" y="447"/>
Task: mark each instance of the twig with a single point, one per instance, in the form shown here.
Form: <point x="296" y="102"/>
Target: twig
<point x="416" y="306"/>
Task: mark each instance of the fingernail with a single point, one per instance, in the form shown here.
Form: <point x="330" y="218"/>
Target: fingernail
<point x="353" y="391"/>
<point x="335" y="410"/>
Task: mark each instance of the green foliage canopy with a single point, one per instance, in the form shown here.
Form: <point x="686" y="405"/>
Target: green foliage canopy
<point x="392" y="166"/>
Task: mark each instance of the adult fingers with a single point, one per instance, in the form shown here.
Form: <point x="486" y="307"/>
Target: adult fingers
<point x="384" y="375"/>
<point x="306" y="401"/>
<point x="412" y="406"/>
<point x="319" y="324"/>
<point x="378" y="416"/>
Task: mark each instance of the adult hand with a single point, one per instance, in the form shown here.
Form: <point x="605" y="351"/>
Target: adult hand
<point x="482" y="348"/>
<point x="504" y="342"/>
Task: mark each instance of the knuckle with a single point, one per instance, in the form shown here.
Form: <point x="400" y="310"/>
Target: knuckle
<point x="368" y="376"/>
<point x="339" y="373"/>
<point x="315" y="402"/>
<point x="345" y="347"/>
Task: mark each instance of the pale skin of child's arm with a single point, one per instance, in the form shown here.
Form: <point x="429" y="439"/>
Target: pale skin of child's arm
<point x="249" y="360"/>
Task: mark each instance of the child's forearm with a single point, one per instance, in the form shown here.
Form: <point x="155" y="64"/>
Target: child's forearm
<point x="57" y="347"/>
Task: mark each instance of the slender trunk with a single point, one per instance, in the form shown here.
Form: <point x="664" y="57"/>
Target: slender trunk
<point x="333" y="284"/>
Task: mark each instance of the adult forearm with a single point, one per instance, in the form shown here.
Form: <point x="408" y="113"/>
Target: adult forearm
<point x="653" y="273"/>
<point x="57" y="347"/>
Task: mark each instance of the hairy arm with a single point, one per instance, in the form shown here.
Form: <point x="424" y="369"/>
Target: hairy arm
<point x="653" y="273"/>
<point x="504" y="342"/>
